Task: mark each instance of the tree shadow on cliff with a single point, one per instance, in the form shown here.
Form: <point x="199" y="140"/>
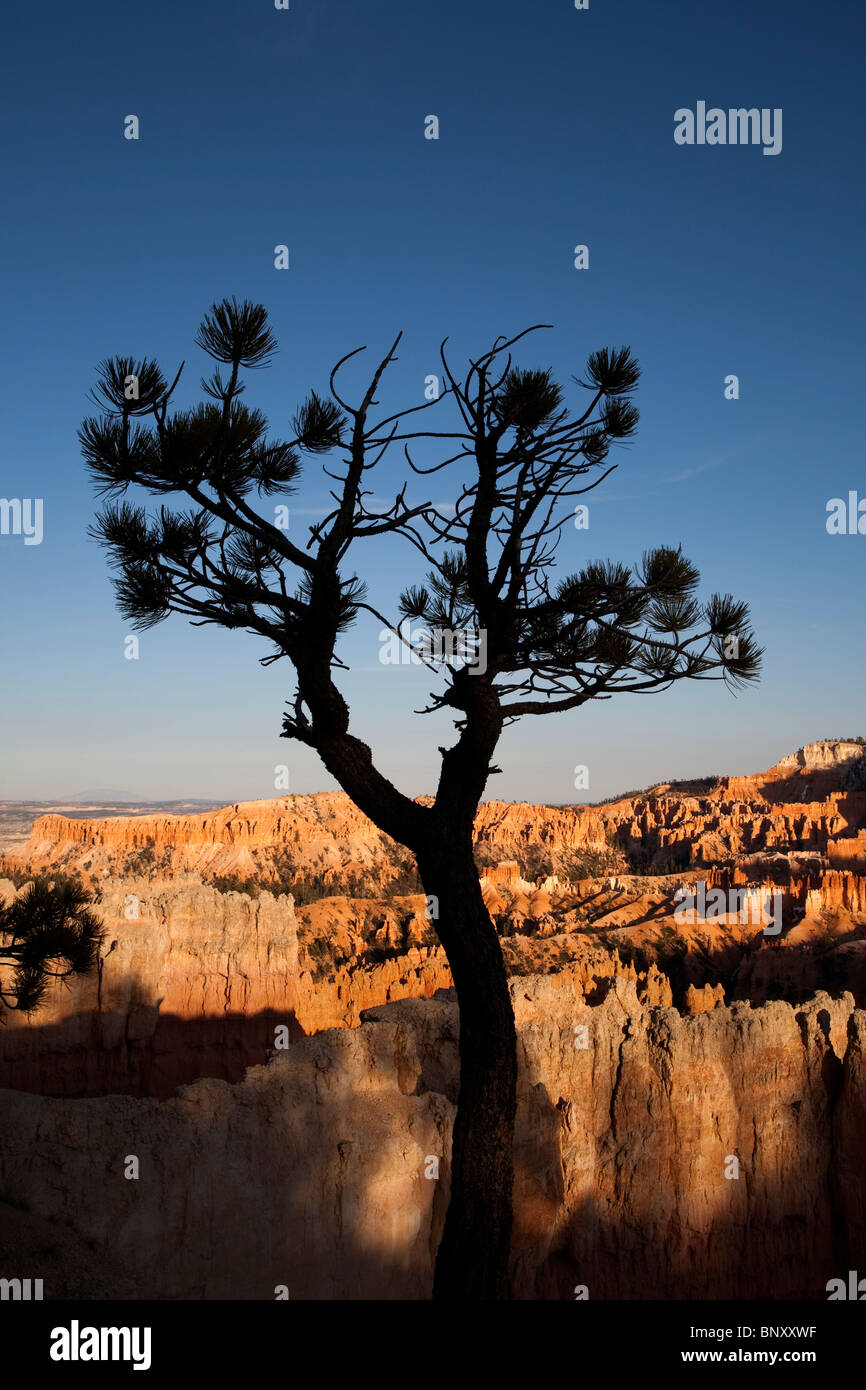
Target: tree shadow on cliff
<point x="300" y="1177"/>
<point x="139" y="1051"/>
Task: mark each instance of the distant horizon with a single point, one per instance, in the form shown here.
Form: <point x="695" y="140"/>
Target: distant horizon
<point x="122" y="798"/>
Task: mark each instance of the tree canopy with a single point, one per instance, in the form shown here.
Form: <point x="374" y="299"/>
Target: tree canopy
<point x="520" y="452"/>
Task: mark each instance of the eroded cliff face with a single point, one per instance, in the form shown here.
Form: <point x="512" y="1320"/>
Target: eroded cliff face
<point x="317" y="1170"/>
<point x="802" y="803"/>
<point x="195" y="981"/>
<point x="190" y="982"/>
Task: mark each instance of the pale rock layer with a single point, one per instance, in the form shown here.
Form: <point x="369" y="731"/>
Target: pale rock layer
<point x="317" y="1171"/>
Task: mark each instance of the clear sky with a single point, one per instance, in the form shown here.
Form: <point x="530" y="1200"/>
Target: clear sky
<point x="306" y="127"/>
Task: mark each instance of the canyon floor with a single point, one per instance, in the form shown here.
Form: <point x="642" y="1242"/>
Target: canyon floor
<point x="272" y="1036"/>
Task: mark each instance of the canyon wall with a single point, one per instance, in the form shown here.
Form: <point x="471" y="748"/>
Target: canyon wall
<point x="317" y="1171"/>
<point x="711" y="1151"/>
<point x="193" y="982"/>
<point x="327" y="835"/>
<point x="848" y="853"/>
<point x="190" y="981"/>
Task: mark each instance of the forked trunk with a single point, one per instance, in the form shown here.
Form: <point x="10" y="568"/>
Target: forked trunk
<point x="472" y="1261"/>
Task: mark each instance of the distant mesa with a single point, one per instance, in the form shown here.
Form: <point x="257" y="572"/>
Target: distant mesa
<point x="111" y="796"/>
<point x="108" y="794"/>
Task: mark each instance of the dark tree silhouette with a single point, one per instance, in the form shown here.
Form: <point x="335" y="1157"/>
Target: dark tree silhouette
<point x="519" y="455"/>
<point x="47" y="933"/>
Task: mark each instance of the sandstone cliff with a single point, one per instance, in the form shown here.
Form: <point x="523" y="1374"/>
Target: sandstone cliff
<point x="194" y="980"/>
<point x="317" y="1170"/>
<point x="191" y="982"/>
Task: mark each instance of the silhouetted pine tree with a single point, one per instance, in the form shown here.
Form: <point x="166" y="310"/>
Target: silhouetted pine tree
<point x="518" y="454"/>
<point x="48" y="932"/>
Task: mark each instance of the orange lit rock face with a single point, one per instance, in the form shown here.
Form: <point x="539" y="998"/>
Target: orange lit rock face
<point x="849" y="853"/>
<point x="191" y="982"/>
<point x="324" y="831"/>
<point x="702" y="999"/>
<point x="199" y="981"/>
<point x="793" y="806"/>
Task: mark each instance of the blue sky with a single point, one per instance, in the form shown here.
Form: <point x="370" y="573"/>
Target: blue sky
<point x="306" y="127"/>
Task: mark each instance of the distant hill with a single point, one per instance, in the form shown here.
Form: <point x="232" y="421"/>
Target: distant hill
<point x="17" y="817"/>
<point x="109" y="794"/>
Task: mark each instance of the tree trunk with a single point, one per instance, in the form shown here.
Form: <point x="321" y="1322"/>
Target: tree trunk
<point x="472" y="1261"/>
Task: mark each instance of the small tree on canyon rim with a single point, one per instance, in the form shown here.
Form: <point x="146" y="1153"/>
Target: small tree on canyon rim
<point x="48" y="932"/>
<point x="518" y="455"/>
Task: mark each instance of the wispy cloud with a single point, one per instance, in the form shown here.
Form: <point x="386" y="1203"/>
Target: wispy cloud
<point x="686" y="473"/>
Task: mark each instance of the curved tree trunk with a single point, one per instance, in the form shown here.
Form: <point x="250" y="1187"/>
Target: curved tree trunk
<point x="472" y="1261"/>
